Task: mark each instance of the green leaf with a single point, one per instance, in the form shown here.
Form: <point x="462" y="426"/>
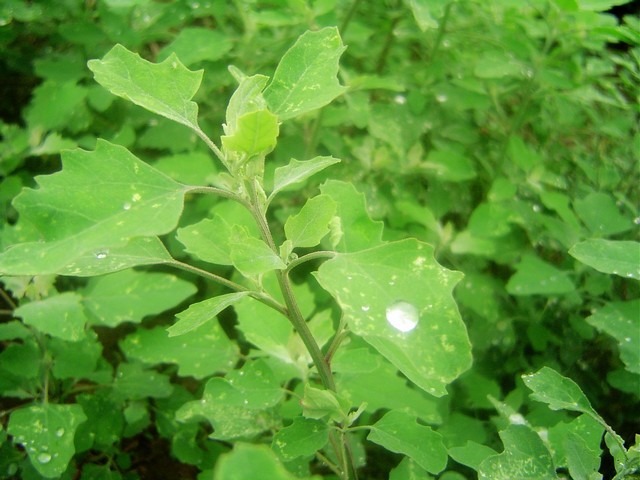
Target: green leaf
<point x="306" y="77"/>
<point x="75" y="359"/>
<point x="408" y="469"/>
<point x="250" y="462"/>
<point x="318" y="403"/>
<point x="209" y="239"/>
<point x="398" y="299"/>
<point x="61" y="316"/>
<point x="165" y="88"/>
<point x="449" y="166"/>
<point x="247" y="98"/>
<point x="583" y="462"/>
<point x="536" y="277"/>
<point x="400" y="433"/>
<point x="622" y="322"/>
<point x="600" y="214"/>
<point x="310" y="225"/>
<point x="54" y="103"/>
<point x="46" y="432"/>
<point x="137" y="252"/>
<point x="609" y="256"/>
<point x="198" y="353"/>
<point x="472" y="454"/>
<point x="426" y="13"/>
<point x="256" y="133"/>
<point x="129" y="296"/>
<point x="358" y="230"/>
<point x="134" y="382"/>
<point x="560" y="441"/>
<point x="250" y="255"/>
<point x="302" y="438"/>
<point x="100" y="200"/>
<point x="525" y="457"/>
<point x="197" y="44"/>
<point x="298" y="171"/>
<point x="105" y="422"/>
<point x="237" y="406"/>
<point x="560" y="393"/>
<point x="201" y="312"/>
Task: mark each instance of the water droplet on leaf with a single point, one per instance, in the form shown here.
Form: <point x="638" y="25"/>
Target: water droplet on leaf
<point x="126" y="206"/>
<point x="60" y="432"/>
<point x="44" y="457"/>
<point x="403" y="316"/>
<point x="101" y="254"/>
<point x="365" y="308"/>
<point x="441" y="98"/>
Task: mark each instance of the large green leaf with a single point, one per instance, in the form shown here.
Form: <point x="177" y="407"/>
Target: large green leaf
<point x="621" y="320"/>
<point x="198" y="353"/>
<point x="250" y="462"/>
<point x="60" y="316"/>
<point x="401" y="433"/>
<point x="165" y="88"/>
<point x="310" y="225"/>
<point x="197" y="44"/>
<point x="525" y="457"/>
<point x="46" y="432"/>
<point x="537" y="277"/>
<point x="306" y="77"/>
<point x="610" y="256"/>
<point x="398" y="299"/>
<point x="137" y="252"/>
<point x="129" y="296"/>
<point x="99" y="201"/>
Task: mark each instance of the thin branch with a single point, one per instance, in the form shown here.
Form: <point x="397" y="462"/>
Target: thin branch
<point x="260" y="296"/>
<point x="308" y="257"/>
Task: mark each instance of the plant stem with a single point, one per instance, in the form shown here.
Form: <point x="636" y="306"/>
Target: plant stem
<point x="293" y="311"/>
<point x="212" y="146"/>
<point x="308" y="257"/>
<point x="260" y="296"/>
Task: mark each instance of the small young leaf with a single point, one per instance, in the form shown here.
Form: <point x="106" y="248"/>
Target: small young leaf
<point x="46" y="432"/>
<point x="609" y="256"/>
<point x="100" y="200"/>
<point x="129" y="296"/>
<point x="398" y="299"/>
<point x="400" y="433"/>
<point x="256" y="133"/>
<point x="298" y="171"/>
<point x="165" y="88"/>
<point x="310" y="225"/>
<point x="306" y="77"/>
<point x="250" y="255"/>
<point x="134" y="382"/>
<point x="525" y="457"/>
<point x="559" y="392"/>
<point x="318" y="404"/>
<point x="536" y="277"/>
<point x="302" y="438"/>
<point x="250" y="462"/>
<point x="202" y="312"/>
<point x="622" y="322"/>
<point x="61" y="316"/>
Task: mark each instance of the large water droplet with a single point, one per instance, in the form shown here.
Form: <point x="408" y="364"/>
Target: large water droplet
<point x="44" y="457"/>
<point x="126" y="206"/>
<point x="60" y="432"/>
<point x="403" y="316"/>
<point x="101" y="254"/>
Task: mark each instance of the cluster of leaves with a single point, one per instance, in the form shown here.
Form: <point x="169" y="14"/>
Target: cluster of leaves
<point x="499" y="140"/>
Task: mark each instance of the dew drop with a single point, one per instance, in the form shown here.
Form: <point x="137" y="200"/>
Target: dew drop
<point x="517" y="419"/>
<point x="537" y="208"/>
<point x="101" y="254"/>
<point x="441" y="98"/>
<point x="400" y="99"/>
<point x="136" y="197"/>
<point x="403" y="316"/>
<point x="126" y="206"/>
<point x="365" y="308"/>
<point x="60" y="432"/>
<point x="446" y="43"/>
<point x="44" y="457"/>
<point x="636" y="220"/>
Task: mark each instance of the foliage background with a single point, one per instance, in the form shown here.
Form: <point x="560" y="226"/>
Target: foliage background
<point x="503" y="133"/>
